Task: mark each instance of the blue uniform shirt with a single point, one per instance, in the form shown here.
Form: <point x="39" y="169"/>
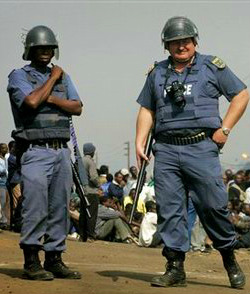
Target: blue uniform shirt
<point x="19" y="87"/>
<point x="204" y="83"/>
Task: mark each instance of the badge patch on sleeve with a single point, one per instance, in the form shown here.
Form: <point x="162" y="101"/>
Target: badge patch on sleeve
<point x="218" y="62"/>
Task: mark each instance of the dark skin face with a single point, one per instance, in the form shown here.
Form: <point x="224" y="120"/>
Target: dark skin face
<point x="119" y="178"/>
<point x="238" y="179"/>
<point x="109" y="203"/>
<point x="41" y="56"/>
<point x="132" y="193"/>
<point x="3" y="149"/>
<point x="246" y="209"/>
<point x="133" y="171"/>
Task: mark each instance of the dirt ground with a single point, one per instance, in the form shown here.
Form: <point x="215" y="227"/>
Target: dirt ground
<point x="116" y="268"/>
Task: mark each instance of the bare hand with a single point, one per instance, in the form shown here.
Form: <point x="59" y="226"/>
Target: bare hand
<point x="123" y="183"/>
<point x="140" y="156"/>
<point x="56" y="72"/>
<point x="219" y="138"/>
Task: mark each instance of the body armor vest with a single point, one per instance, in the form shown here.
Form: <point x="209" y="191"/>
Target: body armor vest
<point x="47" y="121"/>
<point x="201" y="109"/>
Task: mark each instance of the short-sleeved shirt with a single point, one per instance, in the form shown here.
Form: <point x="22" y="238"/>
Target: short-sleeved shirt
<point x="218" y="82"/>
<point x="20" y="87"/>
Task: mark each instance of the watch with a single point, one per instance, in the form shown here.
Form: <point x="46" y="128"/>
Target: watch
<point x="226" y="131"/>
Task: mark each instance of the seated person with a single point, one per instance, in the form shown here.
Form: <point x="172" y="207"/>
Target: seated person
<point x="74" y="213"/>
<point x="106" y="185"/>
<point x="243" y="227"/>
<point x="116" y="187"/>
<point x="137" y="219"/>
<point x="111" y="223"/>
<point x="148" y="235"/>
<point x="129" y="199"/>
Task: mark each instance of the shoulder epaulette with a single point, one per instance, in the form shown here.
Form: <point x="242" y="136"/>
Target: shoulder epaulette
<point x="11" y="73"/>
<point x="218" y="62"/>
<point x="151" y="68"/>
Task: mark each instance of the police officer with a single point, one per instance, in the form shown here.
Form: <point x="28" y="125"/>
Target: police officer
<point x="42" y="100"/>
<point x="180" y="97"/>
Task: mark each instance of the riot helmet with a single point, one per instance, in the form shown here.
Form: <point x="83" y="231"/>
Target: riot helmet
<point x="177" y="28"/>
<point x="40" y="36"/>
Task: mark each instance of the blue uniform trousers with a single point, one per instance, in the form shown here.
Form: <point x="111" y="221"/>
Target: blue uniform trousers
<point x="195" y="167"/>
<point x="47" y="181"/>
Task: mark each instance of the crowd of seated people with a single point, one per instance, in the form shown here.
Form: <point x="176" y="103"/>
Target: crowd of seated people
<point x="115" y="207"/>
<point x="238" y="186"/>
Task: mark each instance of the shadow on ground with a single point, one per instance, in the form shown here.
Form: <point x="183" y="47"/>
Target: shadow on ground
<point x="115" y="275"/>
<point x="12" y="272"/>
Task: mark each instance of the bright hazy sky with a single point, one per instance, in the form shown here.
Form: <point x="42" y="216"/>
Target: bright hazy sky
<point x="107" y="46"/>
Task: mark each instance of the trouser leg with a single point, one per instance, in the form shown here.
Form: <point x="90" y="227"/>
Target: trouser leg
<point x="106" y="229"/>
<point x="35" y="195"/>
<point x="58" y="202"/>
<point x="86" y="224"/>
<point x="156" y="239"/>
<point x="210" y="200"/>
<point x="3" y="199"/>
<point x="171" y="198"/>
<point x="198" y="236"/>
<point x="122" y="229"/>
<point x="209" y="195"/>
<point x="47" y="180"/>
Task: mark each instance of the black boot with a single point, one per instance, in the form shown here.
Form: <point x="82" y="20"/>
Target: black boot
<point x="32" y="267"/>
<point x="53" y="263"/>
<point x="236" y="276"/>
<point x="175" y="275"/>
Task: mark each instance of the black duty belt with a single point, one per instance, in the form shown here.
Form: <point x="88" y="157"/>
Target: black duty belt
<point x="53" y="144"/>
<point x="183" y="140"/>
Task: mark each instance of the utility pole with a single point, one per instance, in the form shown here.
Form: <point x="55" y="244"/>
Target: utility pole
<point x="127" y="148"/>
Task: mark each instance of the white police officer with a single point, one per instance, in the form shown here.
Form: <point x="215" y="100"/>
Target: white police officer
<point x="42" y="100"/>
<point x="180" y="97"/>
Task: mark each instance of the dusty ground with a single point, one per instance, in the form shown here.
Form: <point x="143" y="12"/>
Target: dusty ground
<point x="116" y="268"/>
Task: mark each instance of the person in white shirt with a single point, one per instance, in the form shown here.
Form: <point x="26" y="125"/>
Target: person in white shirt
<point x="247" y="200"/>
<point x="148" y="235"/>
<point x="3" y="189"/>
